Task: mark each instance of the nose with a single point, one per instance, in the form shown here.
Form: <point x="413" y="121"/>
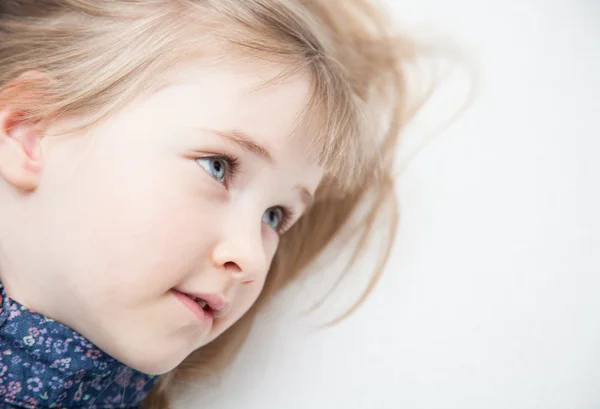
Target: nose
<point x="241" y="252"/>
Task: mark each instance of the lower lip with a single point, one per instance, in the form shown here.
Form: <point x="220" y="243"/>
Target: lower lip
<point x="193" y="307"/>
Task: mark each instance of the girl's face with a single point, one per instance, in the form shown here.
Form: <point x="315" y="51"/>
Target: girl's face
<point x="184" y="191"/>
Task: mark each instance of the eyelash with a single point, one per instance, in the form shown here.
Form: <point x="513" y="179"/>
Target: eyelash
<point x="286" y="219"/>
<point x="232" y="167"/>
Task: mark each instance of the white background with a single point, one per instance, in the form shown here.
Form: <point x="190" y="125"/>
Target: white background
<point x="492" y="296"/>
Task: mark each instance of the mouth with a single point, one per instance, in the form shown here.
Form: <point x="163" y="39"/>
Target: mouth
<point x="210" y="305"/>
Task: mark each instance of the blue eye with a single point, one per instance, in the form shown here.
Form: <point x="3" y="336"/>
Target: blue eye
<point x="274" y="217"/>
<point x="215" y="166"/>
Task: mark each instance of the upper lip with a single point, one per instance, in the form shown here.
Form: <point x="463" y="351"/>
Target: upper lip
<point x="216" y="302"/>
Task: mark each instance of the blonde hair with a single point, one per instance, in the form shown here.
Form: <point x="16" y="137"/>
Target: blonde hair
<point x="99" y="55"/>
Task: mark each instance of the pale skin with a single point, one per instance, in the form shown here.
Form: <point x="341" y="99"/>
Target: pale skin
<point x="98" y="227"/>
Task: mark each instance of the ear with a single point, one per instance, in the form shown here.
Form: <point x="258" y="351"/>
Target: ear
<point x="20" y="140"/>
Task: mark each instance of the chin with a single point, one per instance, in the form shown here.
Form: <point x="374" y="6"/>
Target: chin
<point x="152" y="366"/>
<point x="151" y="362"/>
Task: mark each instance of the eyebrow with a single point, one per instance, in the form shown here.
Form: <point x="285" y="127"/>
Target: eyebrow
<point x="305" y="196"/>
<point x="244" y="141"/>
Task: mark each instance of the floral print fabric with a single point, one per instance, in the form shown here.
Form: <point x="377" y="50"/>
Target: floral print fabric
<point x="44" y="364"/>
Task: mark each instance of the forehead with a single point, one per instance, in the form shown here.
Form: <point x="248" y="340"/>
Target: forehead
<point x="245" y="98"/>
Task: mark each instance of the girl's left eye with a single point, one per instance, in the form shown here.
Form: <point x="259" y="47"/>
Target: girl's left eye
<point x="218" y="167"/>
<point x="277" y="218"/>
<point x="273" y="217"/>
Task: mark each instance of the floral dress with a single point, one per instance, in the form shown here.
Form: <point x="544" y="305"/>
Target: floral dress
<point x="44" y="364"/>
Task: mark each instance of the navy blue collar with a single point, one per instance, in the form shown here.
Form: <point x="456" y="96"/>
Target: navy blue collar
<point x="44" y="364"/>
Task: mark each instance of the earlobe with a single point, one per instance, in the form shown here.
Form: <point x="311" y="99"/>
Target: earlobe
<point x="20" y="150"/>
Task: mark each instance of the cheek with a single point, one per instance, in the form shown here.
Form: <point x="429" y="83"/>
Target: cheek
<point x="270" y="241"/>
<point x="129" y="231"/>
<point x="154" y="246"/>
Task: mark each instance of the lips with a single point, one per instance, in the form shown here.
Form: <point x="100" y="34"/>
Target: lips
<point x="213" y="304"/>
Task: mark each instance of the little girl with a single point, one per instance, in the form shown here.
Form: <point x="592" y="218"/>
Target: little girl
<point x="166" y="166"/>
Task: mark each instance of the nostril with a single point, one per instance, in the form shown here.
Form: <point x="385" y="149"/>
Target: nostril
<point x="230" y="265"/>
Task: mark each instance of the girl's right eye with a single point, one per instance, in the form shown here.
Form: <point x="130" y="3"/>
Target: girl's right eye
<point x="220" y="168"/>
